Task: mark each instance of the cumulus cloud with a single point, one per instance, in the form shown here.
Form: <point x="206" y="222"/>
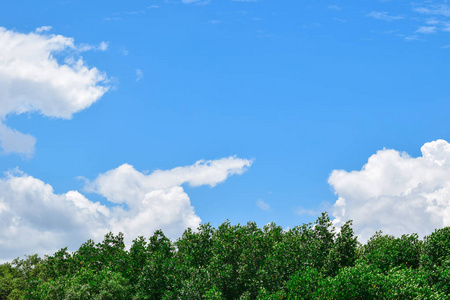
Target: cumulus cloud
<point x="396" y="193"/>
<point x="42" y="73"/>
<point x="34" y="218"/>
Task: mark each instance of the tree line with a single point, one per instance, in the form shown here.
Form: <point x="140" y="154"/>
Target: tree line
<point x="309" y="261"/>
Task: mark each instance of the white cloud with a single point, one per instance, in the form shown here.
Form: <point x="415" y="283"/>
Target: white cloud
<point x="36" y="220"/>
<point x="32" y="79"/>
<point x="302" y="211"/>
<point x="43" y="28"/>
<point x="334" y="7"/>
<point x="340" y="20"/>
<point x="381" y="15"/>
<point x="396" y="193"/>
<point x="139" y="74"/>
<point x="432" y="22"/>
<point x="103" y="46"/>
<point x="426" y="29"/>
<point x="443" y="10"/>
<point x="410" y="38"/>
<point x="262" y="205"/>
<point x="197" y="2"/>
<point x="13" y="141"/>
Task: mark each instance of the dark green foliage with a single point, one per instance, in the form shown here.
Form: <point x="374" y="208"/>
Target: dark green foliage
<point x="436" y="248"/>
<point x="387" y="252"/>
<point x="441" y="277"/>
<point x="158" y="274"/>
<point x="304" y="282"/>
<point x="359" y="282"/>
<point x="343" y="253"/>
<point x="310" y="261"/>
<point x="408" y="283"/>
<point x="15" y="277"/>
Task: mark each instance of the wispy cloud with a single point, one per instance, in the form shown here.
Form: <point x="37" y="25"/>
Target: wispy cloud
<point x="443" y="10"/>
<point x="262" y="205"/>
<point x="382" y="15"/>
<point x="410" y="38"/>
<point x="43" y="28"/>
<point x="432" y="22"/>
<point x="139" y="74"/>
<point x="426" y="29"/>
<point x="339" y="20"/>
<point x="103" y="46"/>
<point x="136" y="12"/>
<point x="196" y="2"/>
<point x="302" y="211"/>
<point x="334" y="7"/>
<point x="263" y="34"/>
<point x="112" y="19"/>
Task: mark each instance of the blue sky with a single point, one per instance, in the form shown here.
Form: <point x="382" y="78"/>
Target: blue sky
<point x="276" y="96"/>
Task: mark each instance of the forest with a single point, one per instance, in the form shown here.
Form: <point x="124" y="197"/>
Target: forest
<point x="309" y="261"/>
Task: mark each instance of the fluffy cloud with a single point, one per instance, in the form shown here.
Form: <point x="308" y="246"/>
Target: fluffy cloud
<point x="396" y="193"/>
<point x="32" y="79"/>
<point x="36" y="220"/>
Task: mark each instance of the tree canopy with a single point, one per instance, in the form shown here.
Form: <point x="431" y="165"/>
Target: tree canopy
<point x="309" y="261"/>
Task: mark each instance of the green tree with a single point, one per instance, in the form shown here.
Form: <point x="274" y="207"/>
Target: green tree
<point x="15" y="276"/>
<point x="436" y="248"/>
<point x="363" y="282"/>
<point x="387" y="252"/>
<point x="157" y="277"/>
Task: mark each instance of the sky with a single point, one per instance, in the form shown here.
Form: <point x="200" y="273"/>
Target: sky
<point x="133" y="116"/>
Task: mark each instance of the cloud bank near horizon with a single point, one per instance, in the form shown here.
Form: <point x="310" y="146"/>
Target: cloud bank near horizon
<point x="34" y="219"/>
<point x="43" y="73"/>
<point x="396" y="193"/>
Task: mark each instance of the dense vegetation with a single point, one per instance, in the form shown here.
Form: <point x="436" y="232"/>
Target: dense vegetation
<point x="311" y="261"/>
